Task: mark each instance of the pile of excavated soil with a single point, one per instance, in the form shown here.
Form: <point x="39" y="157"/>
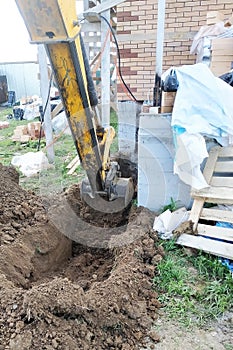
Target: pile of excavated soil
<point x="94" y="293"/>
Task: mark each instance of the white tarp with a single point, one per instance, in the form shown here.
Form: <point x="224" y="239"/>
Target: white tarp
<point x="60" y="124"/>
<point x="203" y="106"/>
<point x="31" y="163"/>
<point x="168" y="221"/>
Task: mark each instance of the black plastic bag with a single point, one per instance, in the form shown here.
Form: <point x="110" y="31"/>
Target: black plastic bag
<point x="227" y="77"/>
<point x="18" y="113"/>
<point x="171" y="82"/>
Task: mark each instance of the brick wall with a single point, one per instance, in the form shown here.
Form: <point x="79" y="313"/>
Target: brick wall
<point x="136" y="33"/>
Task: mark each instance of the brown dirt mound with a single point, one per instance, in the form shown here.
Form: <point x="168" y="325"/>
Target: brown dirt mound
<point x="55" y="294"/>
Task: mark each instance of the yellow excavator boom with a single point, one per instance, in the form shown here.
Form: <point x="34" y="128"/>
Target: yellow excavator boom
<point x="54" y="23"/>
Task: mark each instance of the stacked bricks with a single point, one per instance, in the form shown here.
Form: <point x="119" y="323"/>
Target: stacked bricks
<point x="4" y="125"/>
<point x="25" y="133"/>
<point x="136" y="33"/>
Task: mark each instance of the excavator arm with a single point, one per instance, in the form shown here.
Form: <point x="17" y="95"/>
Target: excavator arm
<point x="54" y="24"/>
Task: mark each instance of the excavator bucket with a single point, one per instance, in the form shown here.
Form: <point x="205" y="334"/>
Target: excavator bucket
<point x="123" y="194"/>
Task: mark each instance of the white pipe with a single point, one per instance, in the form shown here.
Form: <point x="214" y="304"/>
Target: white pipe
<point x="160" y="36"/>
<point x="159" y="54"/>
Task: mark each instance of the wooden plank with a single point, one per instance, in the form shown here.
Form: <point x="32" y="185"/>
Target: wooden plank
<point x="211" y="246"/>
<point x="218" y="201"/>
<point x="219" y="181"/>
<point x="221" y="193"/>
<point x="208" y="171"/>
<point x="223" y="233"/>
<point x="225" y="152"/>
<point x="210" y="163"/>
<point x="217" y="193"/>
<point x="196" y="211"/>
<point x="74" y="161"/>
<point x="74" y="167"/>
<point x="56" y="110"/>
<point x="217" y="215"/>
<point x="224" y="167"/>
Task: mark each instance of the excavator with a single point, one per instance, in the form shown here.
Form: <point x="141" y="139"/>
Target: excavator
<point x="54" y="23"/>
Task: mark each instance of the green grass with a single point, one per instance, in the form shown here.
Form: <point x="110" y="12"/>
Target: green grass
<point x="192" y="289"/>
<point x="114" y="124"/>
<point x="228" y="346"/>
<point x="9" y="148"/>
<point x="172" y="206"/>
<point x="55" y="179"/>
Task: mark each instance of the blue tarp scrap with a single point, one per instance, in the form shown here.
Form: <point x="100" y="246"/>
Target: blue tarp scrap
<point x="226" y="262"/>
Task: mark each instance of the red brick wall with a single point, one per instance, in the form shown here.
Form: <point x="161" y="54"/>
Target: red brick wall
<point x="136" y="33"/>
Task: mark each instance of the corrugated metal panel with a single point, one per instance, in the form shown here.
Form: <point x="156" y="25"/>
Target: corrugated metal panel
<point x="3" y="89"/>
<point x="22" y="77"/>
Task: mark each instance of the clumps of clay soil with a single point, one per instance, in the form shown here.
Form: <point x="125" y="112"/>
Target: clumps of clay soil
<point x="91" y="293"/>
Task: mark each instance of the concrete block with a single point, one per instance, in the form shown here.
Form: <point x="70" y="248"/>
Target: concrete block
<point x="128" y="113"/>
<point x="157" y="183"/>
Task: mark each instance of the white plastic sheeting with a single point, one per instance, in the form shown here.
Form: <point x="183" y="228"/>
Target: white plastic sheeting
<point x="168" y="221"/>
<point x="31" y="163"/>
<point x="203" y="107"/>
<point x="190" y="153"/>
<point x="60" y="124"/>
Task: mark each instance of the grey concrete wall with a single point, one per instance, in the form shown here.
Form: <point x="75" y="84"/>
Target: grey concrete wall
<point x="128" y="122"/>
<point x="156" y="181"/>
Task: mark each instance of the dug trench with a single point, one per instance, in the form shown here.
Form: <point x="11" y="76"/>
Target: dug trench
<point x="73" y="278"/>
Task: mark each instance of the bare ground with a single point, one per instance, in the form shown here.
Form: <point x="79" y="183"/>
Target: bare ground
<point x="94" y="293"/>
<point x="57" y="294"/>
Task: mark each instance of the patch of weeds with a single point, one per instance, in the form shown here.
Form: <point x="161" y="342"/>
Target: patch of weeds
<point x="114" y="120"/>
<point x="228" y="346"/>
<point x="169" y="245"/>
<point x="114" y="124"/>
<point x="33" y="144"/>
<point x="8" y="147"/>
<point x="208" y="266"/>
<point x="5" y="112"/>
<point x="192" y="289"/>
<point x="172" y="206"/>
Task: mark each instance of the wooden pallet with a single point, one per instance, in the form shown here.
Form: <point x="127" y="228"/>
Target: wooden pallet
<point x="218" y="173"/>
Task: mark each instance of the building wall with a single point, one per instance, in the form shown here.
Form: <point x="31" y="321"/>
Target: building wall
<point x="136" y="33"/>
<point x="22" y="77"/>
